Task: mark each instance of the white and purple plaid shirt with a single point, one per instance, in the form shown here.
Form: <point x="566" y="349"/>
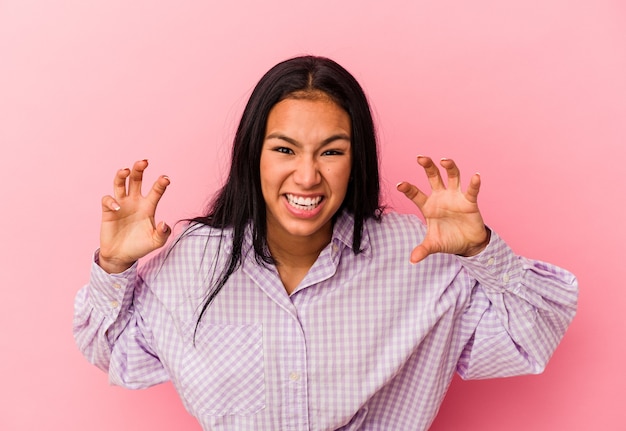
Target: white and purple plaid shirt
<point x="366" y="342"/>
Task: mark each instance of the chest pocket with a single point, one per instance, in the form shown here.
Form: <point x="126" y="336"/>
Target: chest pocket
<point x="223" y="374"/>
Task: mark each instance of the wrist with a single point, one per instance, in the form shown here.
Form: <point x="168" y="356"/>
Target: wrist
<point x="480" y="247"/>
<point x="112" y="266"/>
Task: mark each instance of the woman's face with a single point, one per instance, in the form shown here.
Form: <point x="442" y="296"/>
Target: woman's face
<point x="305" y="167"/>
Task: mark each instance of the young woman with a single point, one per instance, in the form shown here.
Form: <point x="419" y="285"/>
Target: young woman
<point x="296" y="302"/>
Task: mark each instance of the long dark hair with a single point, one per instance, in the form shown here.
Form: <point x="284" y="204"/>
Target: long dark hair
<point x="240" y="202"/>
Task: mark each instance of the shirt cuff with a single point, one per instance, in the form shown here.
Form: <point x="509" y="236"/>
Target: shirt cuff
<point x="111" y="293"/>
<point x="497" y="268"/>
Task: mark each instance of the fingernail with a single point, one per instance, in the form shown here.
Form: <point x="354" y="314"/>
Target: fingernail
<point x="398" y="185"/>
<point x="115" y="207"/>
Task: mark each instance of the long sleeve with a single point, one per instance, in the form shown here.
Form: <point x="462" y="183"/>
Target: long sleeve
<point x="109" y="331"/>
<point x="520" y="310"/>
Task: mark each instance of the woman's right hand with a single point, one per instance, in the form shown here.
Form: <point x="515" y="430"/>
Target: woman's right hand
<point x="128" y="231"/>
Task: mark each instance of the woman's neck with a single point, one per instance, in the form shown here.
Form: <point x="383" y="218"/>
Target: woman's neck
<point x="294" y="256"/>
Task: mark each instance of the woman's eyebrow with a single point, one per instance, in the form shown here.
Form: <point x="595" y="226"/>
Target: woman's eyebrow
<point x="332" y="138"/>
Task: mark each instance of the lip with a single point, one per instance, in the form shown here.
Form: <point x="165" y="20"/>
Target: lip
<point x="301" y="213"/>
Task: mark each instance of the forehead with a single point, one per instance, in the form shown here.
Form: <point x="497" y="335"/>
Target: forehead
<point x="306" y="114"/>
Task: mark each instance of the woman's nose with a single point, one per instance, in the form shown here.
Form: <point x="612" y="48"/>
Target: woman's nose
<point x="307" y="173"/>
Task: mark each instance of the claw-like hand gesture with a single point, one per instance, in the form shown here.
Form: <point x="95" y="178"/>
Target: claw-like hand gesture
<point x="128" y="231"/>
<point x="454" y="224"/>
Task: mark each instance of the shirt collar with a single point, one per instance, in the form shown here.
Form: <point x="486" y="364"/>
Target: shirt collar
<point x="343" y="232"/>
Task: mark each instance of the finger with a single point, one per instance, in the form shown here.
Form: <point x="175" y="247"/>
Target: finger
<point x="161" y="233"/>
<point x="454" y="175"/>
<point x="432" y="172"/>
<point x="136" y="176"/>
<point x="109" y="204"/>
<point x="157" y="190"/>
<point x="413" y="193"/>
<point x="419" y="253"/>
<point x="474" y="187"/>
<point x="119" y="183"/>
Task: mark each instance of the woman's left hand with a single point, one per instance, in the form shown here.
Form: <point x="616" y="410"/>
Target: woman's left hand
<point x="454" y="224"/>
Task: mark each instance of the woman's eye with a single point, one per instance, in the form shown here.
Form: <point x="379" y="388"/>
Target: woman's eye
<point x="283" y="150"/>
<point x="332" y="153"/>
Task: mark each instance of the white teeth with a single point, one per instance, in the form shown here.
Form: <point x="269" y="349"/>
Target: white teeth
<point x="302" y="202"/>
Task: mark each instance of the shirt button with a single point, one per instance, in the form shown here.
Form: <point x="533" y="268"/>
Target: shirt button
<point x="294" y="377"/>
<point x="491" y="261"/>
<point x="506" y="278"/>
<point x="114" y="304"/>
<point x="335" y="248"/>
<point x="117" y="286"/>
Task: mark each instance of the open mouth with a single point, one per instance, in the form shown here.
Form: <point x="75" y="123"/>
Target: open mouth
<point x="302" y="203"/>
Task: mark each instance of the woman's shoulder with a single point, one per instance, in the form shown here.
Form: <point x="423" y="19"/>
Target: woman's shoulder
<point x="396" y="228"/>
<point x="196" y="229"/>
<point x="392" y="220"/>
<point x="192" y="243"/>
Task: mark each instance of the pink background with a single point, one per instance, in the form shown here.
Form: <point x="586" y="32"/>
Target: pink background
<point x="530" y="93"/>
